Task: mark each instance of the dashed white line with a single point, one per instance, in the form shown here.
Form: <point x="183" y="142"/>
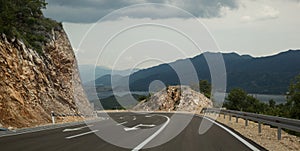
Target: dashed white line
<point x="122" y="123"/>
<point x="82" y="134"/>
<point x="76" y="129"/>
<point x="146" y="125"/>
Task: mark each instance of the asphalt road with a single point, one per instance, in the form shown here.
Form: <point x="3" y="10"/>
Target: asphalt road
<point x="132" y="131"/>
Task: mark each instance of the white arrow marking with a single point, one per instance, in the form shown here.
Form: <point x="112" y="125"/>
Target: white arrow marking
<point x="136" y="127"/>
<point x="122" y="123"/>
<point x="134" y="118"/>
<point x="104" y="118"/>
<point x="75" y="129"/>
<point x="130" y="129"/>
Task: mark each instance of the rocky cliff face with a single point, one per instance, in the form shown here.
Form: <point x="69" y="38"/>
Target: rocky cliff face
<point x="32" y="85"/>
<point x="175" y="98"/>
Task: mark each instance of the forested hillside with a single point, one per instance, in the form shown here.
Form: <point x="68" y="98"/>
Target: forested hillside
<point x="264" y="75"/>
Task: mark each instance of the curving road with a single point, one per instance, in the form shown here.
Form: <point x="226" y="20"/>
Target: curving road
<point x="132" y="131"/>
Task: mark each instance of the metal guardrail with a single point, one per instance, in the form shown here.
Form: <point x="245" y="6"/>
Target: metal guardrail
<point x="279" y="122"/>
<point x="46" y="127"/>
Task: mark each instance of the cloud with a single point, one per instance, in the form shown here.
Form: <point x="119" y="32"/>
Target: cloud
<point x="92" y="10"/>
<point x="266" y="13"/>
<point x="246" y="18"/>
<point x="269" y="13"/>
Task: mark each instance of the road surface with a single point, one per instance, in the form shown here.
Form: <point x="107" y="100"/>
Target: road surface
<point x="131" y="131"/>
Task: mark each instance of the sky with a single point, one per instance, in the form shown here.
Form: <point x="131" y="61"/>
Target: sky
<point x="125" y="34"/>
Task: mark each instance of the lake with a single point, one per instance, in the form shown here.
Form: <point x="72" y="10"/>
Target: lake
<point x="262" y="97"/>
<point x="266" y="97"/>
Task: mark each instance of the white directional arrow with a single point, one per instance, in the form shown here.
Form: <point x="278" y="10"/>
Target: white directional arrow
<point x="130" y="129"/>
<point x="134" y="118"/>
<point x="104" y="118"/>
<point x="76" y="129"/>
<point x="138" y="127"/>
<point x="141" y="145"/>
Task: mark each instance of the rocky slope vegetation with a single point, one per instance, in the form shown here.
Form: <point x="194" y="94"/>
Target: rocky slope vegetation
<point x="175" y="98"/>
<point x="34" y="84"/>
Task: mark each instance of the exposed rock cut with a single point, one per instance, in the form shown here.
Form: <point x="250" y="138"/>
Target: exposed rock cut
<point x="32" y="85"/>
<point x="175" y="98"/>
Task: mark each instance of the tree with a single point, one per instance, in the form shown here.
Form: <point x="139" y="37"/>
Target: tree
<point x="205" y="88"/>
<point x="252" y="104"/>
<point x="272" y="103"/>
<point x="235" y="99"/>
<point x="24" y="20"/>
<point x="293" y="98"/>
<point x="239" y="100"/>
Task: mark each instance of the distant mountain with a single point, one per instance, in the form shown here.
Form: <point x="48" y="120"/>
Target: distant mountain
<point x="91" y="72"/>
<point x="105" y="80"/>
<point x="264" y="75"/>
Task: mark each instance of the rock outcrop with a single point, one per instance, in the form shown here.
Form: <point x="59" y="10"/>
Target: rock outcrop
<point x="175" y="98"/>
<point x="32" y="85"/>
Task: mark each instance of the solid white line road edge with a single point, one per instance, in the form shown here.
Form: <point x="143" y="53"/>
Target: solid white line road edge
<point x="78" y="135"/>
<point x="234" y="134"/>
<point x="140" y="146"/>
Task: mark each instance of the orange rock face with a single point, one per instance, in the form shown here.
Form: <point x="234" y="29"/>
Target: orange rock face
<point x="32" y="85"/>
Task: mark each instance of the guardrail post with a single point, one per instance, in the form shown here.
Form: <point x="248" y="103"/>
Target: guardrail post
<point x="224" y="115"/>
<point x="279" y="133"/>
<point x="236" y="119"/>
<point x="229" y="117"/>
<point x="53" y="117"/>
<point x="246" y="122"/>
<point x="259" y="127"/>
<point x="95" y="114"/>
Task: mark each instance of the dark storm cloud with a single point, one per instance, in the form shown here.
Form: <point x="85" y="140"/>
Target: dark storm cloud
<point x="83" y="11"/>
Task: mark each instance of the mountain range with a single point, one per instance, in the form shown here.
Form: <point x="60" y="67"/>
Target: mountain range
<point x="91" y="72"/>
<point x="262" y="75"/>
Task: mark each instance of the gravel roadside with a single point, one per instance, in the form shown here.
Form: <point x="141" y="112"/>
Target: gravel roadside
<point x="267" y="138"/>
